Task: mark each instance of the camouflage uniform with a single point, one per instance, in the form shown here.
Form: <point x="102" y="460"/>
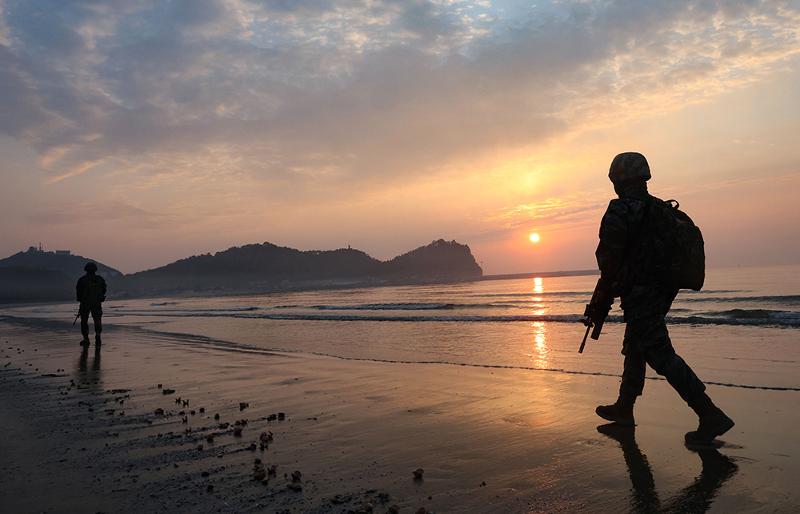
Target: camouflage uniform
<point x="630" y="274"/>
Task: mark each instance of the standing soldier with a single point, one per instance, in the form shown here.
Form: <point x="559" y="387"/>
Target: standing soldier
<point x="631" y="269"/>
<point x="90" y="291"/>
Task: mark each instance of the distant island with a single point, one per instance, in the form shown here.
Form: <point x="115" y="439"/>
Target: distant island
<point x="36" y="275"/>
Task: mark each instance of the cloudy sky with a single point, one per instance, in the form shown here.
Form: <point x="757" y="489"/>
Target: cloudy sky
<point x="141" y="131"/>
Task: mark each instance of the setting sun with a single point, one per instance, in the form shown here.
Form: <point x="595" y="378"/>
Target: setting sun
<point x="534" y="237"/>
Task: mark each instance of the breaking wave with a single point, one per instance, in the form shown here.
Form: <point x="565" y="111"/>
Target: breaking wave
<point x="754" y="317"/>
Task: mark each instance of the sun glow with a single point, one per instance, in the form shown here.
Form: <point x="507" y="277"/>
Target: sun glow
<point x="534" y="237"/>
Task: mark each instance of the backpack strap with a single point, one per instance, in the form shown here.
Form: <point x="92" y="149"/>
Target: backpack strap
<point x="638" y="234"/>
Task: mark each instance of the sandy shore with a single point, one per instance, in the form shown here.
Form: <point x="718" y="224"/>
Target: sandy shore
<point x="86" y="433"/>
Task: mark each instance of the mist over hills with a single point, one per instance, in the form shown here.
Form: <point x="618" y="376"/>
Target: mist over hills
<point x="254" y="268"/>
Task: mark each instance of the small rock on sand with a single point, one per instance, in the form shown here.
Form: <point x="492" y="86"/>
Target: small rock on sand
<point x="168" y="391"/>
<point x="418" y="473"/>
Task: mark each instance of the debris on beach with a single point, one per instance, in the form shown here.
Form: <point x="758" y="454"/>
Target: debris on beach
<point x="160" y="386"/>
<point x="259" y="471"/>
<point x="159" y="412"/>
<point x="167" y="391"/>
<point x="272" y="470"/>
<point x="295" y="487"/>
<point x="281" y="416"/>
<point x="264" y="439"/>
<point x="338" y="499"/>
<point x="296" y="476"/>
<point x="418" y="473"/>
<point x="216" y="416"/>
<point x="243" y="406"/>
<point x="210" y="438"/>
<point x="237" y="431"/>
<point x="202" y="410"/>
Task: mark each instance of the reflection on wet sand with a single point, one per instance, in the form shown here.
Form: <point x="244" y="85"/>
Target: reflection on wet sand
<point x="86" y="374"/>
<point x="695" y="498"/>
<point x="540" y="349"/>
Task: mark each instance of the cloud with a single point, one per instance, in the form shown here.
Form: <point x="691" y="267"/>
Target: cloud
<point x="105" y="211"/>
<point x="355" y="92"/>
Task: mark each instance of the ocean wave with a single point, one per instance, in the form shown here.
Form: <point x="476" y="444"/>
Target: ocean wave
<point x="414" y="306"/>
<point x="755" y="314"/>
<point x="204" y="311"/>
<point x="589" y="293"/>
<point x="757" y="317"/>
<point x="779" y="299"/>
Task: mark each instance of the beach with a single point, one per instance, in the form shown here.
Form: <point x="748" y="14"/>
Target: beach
<point x="103" y="431"/>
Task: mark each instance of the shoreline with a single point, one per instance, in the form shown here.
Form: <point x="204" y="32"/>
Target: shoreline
<point x="501" y="440"/>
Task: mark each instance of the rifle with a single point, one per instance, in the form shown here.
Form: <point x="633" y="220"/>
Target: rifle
<point x="76" y="318"/>
<point x="595" y="317"/>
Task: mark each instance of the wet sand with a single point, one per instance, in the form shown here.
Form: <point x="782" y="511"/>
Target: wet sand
<point x="86" y="433"/>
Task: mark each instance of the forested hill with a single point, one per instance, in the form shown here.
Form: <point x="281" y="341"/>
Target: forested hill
<point x="37" y="275"/>
<point x="267" y="267"/>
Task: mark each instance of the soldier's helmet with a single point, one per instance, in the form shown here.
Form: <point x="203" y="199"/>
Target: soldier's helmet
<point x="629" y="166"/>
<point x="90" y="267"/>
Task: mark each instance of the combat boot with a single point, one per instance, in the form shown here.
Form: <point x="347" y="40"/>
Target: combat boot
<point x="713" y="422"/>
<point x="620" y="412"/>
<point x="85" y="341"/>
<point x="97" y="340"/>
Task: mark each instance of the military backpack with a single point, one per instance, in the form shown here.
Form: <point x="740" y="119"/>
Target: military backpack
<point x="93" y="292"/>
<point x="679" y="244"/>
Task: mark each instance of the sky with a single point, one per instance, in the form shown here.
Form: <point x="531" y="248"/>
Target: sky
<point x="137" y="132"/>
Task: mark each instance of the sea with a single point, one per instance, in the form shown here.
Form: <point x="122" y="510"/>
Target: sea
<point x="742" y="330"/>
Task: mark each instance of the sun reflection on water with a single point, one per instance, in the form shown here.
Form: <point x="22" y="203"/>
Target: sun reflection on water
<point x="540" y="352"/>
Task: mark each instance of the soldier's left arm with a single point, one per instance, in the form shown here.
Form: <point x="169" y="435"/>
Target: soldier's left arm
<point x="610" y="251"/>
